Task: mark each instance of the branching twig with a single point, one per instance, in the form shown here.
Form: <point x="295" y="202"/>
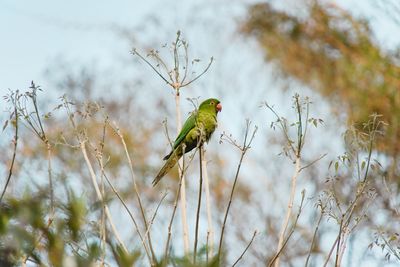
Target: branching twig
<point x="82" y="145"/>
<point x="135" y="52"/>
<point x="292" y="150"/>
<point x="372" y="127"/>
<point x="246" y="145"/>
<point x="201" y="74"/>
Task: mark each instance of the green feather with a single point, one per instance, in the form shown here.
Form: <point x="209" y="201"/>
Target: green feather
<point x="196" y="130"/>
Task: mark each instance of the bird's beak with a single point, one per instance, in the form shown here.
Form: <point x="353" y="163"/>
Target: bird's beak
<point x="219" y="107"/>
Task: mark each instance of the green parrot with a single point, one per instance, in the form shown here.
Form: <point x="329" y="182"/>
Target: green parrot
<point x="196" y="130"/>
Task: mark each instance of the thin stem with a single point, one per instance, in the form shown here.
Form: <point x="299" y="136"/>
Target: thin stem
<point x="134" y="51"/>
<point x="350" y="210"/>
<point x="49" y="170"/>
<point x="300" y="127"/>
<point x="306" y="121"/>
<point x="103" y="231"/>
<point x="15" y="141"/>
<point x="331" y="251"/>
<point x="283" y="126"/>
<point x="290" y="206"/>
<point x="201" y="74"/>
<point x="313" y="239"/>
<point x="160" y="62"/>
<point x="210" y="230"/>
<point x="155" y="211"/>
<point x="389" y="246"/>
<point x="99" y="196"/>
<point x="276" y="257"/>
<point x="185" y="46"/>
<point x="127" y="210"/>
<point x="243" y="149"/>
<point x="221" y="238"/>
<point x="201" y="153"/>
<point x="182" y="175"/>
<point x="35" y="105"/>
<point x="176" y="57"/>
<point x="312" y="162"/>
<point x="135" y="186"/>
<point x="338" y="243"/>
<point x="245" y="250"/>
<point x="172" y="218"/>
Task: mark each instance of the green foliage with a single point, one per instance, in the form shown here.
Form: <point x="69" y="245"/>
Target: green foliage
<point x="202" y="260"/>
<point x="124" y="258"/>
<point x="76" y="213"/>
<point x="27" y="233"/>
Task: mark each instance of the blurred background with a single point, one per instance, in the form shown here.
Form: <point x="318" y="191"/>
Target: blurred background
<point x="342" y="55"/>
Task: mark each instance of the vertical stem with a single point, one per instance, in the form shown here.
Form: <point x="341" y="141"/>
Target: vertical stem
<point x="314" y="238"/>
<point x="103" y="217"/>
<point x="221" y="238"/>
<point x="331" y="251"/>
<point x="136" y="188"/>
<point x="48" y="147"/>
<point x="289" y="210"/>
<point x="99" y="196"/>
<point x="103" y="225"/>
<point x="181" y="174"/>
<point x="165" y="261"/>
<point x="198" y="206"/>
<point x="142" y="239"/>
<point x="343" y="247"/>
<point x="243" y="152"/>
<point x="10" y="170"/>
<point x="210" y="230"/>
<point x="339" y="240"/>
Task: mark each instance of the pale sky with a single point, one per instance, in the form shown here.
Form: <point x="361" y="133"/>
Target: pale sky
<point x="34" y="34"/>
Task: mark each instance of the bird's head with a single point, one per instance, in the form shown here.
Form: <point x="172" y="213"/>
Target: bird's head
<point x="211" y="104"/>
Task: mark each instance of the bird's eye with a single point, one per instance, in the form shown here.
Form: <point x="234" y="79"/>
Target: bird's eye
<point x="212" y="103"/>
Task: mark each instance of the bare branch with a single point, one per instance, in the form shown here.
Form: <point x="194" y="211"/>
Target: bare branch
<point x="135" y="52"/>
<point x="247" y="247"/>
<point x="276" y="257"/>
<point x="313" y="162"/>
<point x="15" y="141"/>
<point x="201" y="154"/>
<point x="201" y="74"/>
<point x="245" y="147"/>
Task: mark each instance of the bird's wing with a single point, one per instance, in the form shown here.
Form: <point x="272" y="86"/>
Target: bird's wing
<point x="187" y="126"/>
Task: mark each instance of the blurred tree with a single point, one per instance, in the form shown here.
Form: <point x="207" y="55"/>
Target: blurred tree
<point x="335" y="54"/>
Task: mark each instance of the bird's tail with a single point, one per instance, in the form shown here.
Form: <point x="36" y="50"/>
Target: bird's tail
<point x="172" y="159"/>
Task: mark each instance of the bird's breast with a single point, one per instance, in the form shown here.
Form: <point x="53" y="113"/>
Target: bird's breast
<point x="207" y="125"/>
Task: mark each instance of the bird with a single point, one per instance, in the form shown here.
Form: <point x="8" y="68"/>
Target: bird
<point x="196" y="130"/>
